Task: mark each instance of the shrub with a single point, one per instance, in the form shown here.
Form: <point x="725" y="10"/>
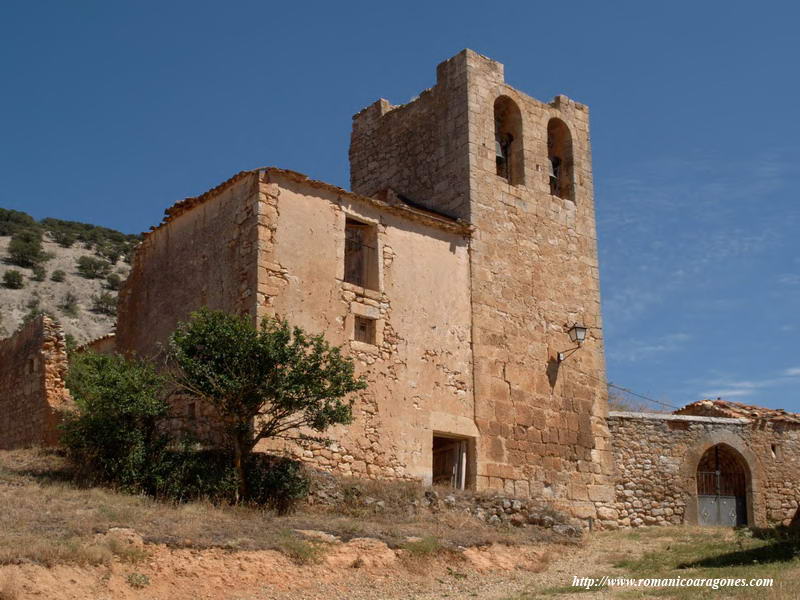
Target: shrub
<point x="300" y="551"/>
<point x="13" y="280"/>
<point x="105" y="304"/>
<point x="138" y="580"/>
<point x="69" y="305"/>
<point x="424" y="547"/>
<point x="279" y="485"/>
<point x="93" y="268"/>
<point x="70" y="342"/>
<point x="25" y="248"/>
<point x="90" y="235"/>
<point x="39" y="274"/>
<point x="115" y="436"/>
<point x="34" y="310"/>
<point x="12" y="221"/>
<point x="186" y="473"/>
<point x="65" y="239"/>
<point x="58" y="275"/>
<point x="111" y="252"/>
<point x="114" y="432"/>
<point x="114" y="281"/>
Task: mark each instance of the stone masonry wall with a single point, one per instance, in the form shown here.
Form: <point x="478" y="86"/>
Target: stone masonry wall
<point x="271" y="242"/>
<point x="534" y="272"/>
<point x="656" y="458"/>
<point x="33" y="364"/>
<point x="417" y="147"/>
<point x="419" y="368"/>
<point x="204" y="254"/>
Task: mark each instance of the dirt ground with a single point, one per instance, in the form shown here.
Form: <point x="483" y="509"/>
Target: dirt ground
<point x="60" y="541"/>
<point x="360" y="568"/>
<point x="366" y="568"/>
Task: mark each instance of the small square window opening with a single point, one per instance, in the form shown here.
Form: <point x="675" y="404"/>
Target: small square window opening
<point x="364" y="330"/>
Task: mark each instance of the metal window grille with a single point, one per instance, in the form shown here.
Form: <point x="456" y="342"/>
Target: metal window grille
<point x="364" y="330"/>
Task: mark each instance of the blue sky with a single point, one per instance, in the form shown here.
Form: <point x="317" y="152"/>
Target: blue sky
<point x="112" y="111"/>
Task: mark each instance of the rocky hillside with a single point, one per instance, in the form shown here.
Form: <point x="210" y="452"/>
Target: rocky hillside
<point x="67" y="269"/>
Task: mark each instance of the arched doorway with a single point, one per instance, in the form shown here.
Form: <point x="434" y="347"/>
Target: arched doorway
<point x="722" y="483"/>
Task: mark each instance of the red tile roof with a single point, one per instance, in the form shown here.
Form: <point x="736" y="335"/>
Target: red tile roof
<point x="737" y="410"/>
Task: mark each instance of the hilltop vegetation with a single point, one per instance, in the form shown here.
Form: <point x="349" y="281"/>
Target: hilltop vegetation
<point x="67" y="269"/>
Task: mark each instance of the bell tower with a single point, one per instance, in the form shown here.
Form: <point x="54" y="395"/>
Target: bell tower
<point x="519" y="170"/>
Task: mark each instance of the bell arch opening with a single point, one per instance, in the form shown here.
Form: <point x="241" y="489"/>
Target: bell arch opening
<point x="560" y="159"/>
<point x="724" y="490"/>
<point x="509" y="157"/>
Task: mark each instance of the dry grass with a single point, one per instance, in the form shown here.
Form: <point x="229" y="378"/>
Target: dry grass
<point x="47" y="519"/>
<point x="302" y="552"/>
<point x="688" y="553"/>
<point x="9" y="590"/>
<point x="423" y="547"/>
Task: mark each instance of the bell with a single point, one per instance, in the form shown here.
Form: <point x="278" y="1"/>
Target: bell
<point x="554" y="164"/>
<point x="498" y="149"/>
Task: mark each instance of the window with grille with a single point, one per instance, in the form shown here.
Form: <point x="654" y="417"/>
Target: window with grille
<point x="364" y="330"/>
<point x="360" y="254"/>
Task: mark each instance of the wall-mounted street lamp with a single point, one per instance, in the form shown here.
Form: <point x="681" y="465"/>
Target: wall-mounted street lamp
<point x="577" y="334"/>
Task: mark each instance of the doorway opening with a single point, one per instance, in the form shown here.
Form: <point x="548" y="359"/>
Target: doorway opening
<point x="722" y="482"/>
<point x="450" y="461"/>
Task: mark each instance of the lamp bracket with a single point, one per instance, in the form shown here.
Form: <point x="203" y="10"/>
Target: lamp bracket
<point x="562" y="356"/>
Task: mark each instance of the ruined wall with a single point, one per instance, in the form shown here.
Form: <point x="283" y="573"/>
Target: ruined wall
<point x="656" y="459"/>
<point x="534" y="272"/>
<point x="205" y="254"/>
<point x="33" y="364"/>
<point x="419" y="369"/>
<point x="106" y="344"/>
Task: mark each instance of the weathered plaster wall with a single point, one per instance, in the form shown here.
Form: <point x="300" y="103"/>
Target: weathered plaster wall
<point x="656" y="458"/>
<point x="419" y="370"/>
<point x="33" y="364"/>
<point x="534" y="272"/>
<point x="205" y="254"/>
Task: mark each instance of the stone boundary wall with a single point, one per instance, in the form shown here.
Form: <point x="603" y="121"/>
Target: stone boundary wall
<point x="490" y="506"/>
<point x="656" y="457"/>
<point x="33" y="364"/>
<point x="106" y="344"/>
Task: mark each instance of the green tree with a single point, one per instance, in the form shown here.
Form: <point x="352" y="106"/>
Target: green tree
<point x="114" y="431"/>
<point x="58" y="275"/>
<point x="93" y="268"/>
<point x="25" y="248"/>
<point x="39" y="273"/>
<point x="12" y="279"/>
<point x="264" y="382"/>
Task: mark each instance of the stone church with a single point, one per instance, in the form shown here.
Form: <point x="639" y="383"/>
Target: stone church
<point x="452" y="272"/>
<point x="461" y="274"/>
